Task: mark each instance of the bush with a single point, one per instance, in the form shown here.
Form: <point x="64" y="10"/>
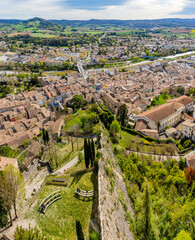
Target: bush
<point x="6" y="151"/>
<point x="94" y="236"/>
<point x="129" y="126"/>
<point x="114" y="139"/>
<point x="59" y="139"/>
<point x="183" y="140"/>
<point x="170" y="140"/>
<point x="182" y="163"/>
<point x="25" y="143"/>
<point x="98" y="154"/>
<point x="118" y="149"/>
<point x="80" y="157"/>
<point x="187" y="144"/>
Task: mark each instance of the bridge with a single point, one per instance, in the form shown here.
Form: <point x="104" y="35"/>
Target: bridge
<point x="81" y="70"/>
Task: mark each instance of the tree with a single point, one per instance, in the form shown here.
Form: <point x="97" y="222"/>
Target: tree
<point x="7" y="151"/>
<point x="17" y="187"/>
<point x="44" y="137"/>
<point x="181" y="90"/>
<point x="80" y="157"/>
<point x="93" y="151"/>
<point x="86" y="153"/>
<point x="90" y="152"/>
<point x="47" y="136"/>
<point x="28" y="234"/>
<point x="79" y="231"/>
<point x="183" y="235"/>
<point x="78" y="101"/>
<point x="170" y="149"/>
<point x="115" y="127"/>
<point x="11" y="189"/>
<point x="122" y="114"/>
<point x="102" y="61"/>
<point x="3" y="215"/>
<point x="147" y="219"/>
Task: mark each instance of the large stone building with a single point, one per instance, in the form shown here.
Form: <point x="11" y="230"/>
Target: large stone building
<point x="168" y="114"/>
<point x="188" y="129"/>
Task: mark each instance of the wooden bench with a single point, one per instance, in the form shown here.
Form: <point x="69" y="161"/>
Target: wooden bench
<point x="84" y="194"/>
<point x="47" y="201"/>
<point x="52" y="200"/>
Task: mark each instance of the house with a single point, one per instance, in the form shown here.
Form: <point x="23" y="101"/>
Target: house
<point x="56" y="127"/>
<point x="5" y="161"/>
<point x="188" y="129"/>
<point x="190" y="161"/>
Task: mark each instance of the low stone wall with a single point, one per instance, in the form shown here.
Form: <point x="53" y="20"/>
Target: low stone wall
<point x="5" y="237"/>
<point x="30" y="170"/>
<point x="77" y="134"/>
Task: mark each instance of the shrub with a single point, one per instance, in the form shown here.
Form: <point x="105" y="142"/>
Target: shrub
<point x="6" y="151"/>
<point x="187" y="144"/>
<point x="183" y="140"/>
<point x="98" y="154"/>
<point x="59" y="139"/>
<point x="25" y="143"/>
<point x="80" y="157"/>
<point x="94" y="236"/>
<point x="170" y="140"/>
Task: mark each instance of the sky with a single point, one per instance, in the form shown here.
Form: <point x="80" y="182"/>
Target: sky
<point x="97" y="9"/>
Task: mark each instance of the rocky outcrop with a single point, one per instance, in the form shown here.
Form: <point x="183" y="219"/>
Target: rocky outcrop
<point x="114" y="202"/>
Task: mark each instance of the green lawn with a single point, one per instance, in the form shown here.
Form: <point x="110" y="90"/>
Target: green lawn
<point x="75" y="120"/>
<point x="59" y="221"/>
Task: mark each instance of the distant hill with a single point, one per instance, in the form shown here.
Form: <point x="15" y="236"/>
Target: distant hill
<point x="169" y="22"/>
<point x="39" y="23"/>
<point x="32" y="24"/>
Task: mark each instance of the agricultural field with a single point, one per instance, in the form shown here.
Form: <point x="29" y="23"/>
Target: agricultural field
<point x="39" y="34"/>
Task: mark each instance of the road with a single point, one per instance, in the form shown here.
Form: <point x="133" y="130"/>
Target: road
<point x="147" y="62"/>
<point x="100" y="39"/>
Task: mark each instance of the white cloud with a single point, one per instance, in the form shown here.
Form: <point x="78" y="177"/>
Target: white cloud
<point x="55" y="9"/>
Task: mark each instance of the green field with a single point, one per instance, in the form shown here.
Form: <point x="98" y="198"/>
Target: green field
<point x="43" y="35"/>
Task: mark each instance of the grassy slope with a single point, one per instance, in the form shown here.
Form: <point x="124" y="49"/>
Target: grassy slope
<point x="126" y="137"/>
<point x="59" y="221"/>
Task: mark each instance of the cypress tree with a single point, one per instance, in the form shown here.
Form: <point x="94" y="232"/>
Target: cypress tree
<point x="79" y="230"/>
<point x="147" y="207"/>
<point x="86" y="153"/>
<point x="44" y="137"/>
<point x="47" y="136"/>
<point x="92" y="152"/>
